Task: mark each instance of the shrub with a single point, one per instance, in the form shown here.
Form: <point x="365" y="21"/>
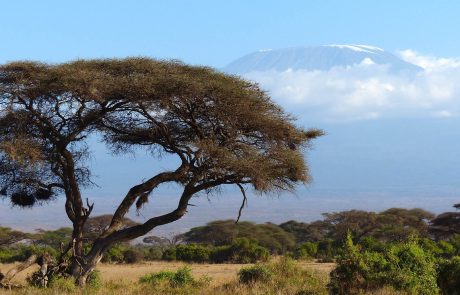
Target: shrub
<point x="447" y="249"/>
<point x="448" y="276"/>
<point x="240" y="251"/>
<point x="94" y="280"/>
<point x="349" y="276"/>
<point x="306" y="250"/>
<point x="253" y="274"/>
<point x="63" y="285"/>
<point x="283" y="276"/>
<point x="114" y="254"/>
<point x="155" y="278"/>
<point x="21" y="252"/>
<point x="327" y="250"/>
<point x="225" y="232"/>
<point x="404" y="267"/>
<point x="169" y="254"/>
<point x="132" y="256"/>
<point x="153" y="253"/>
<point x="192" y="253"/>
<point x="455" y="242"/>
<point x="414" y="269"/>
<point x="371" y="244"/>
<point x="181" y="278"/>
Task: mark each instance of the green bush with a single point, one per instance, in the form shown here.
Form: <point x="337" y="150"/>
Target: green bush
<point x="63" y="285"/>
<point x="114" y="254"/>
<point x="371" y="244"/>
<point x="225" y="232"/>
<point x="327" y="250"/>
<point x="404" y="267"/>
<point x="94" y="280"/>
<point x="132" y="255"/>
<point x="414" y="269"/>
<point x="157" y="277"/>
<point x="349" y="277"/>
<point x="240" y="251"/>
<point x="447" y="249"/>
<point x="169" y="254"/>
<point x="256" y="273"/>
<point x="153" y="253"/>
<point x="449" y="276"/>
<point x="306" y="250"/>
<point x="21" y="252"/>
<point x="192" y="253"/>
<point x="455" y="242"/>
<point x="182" y="277"/>
<point x="178" y="279"/>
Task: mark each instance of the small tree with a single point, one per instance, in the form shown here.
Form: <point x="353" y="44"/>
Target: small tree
<point x="9" y="237"/>
<point x="224" y="130"/>
<point x="446" y="224"/>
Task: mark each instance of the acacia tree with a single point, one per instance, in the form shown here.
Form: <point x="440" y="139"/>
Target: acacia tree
<point x="224" y="130"/>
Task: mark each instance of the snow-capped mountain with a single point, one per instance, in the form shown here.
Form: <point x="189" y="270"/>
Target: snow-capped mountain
<point x="317" y="58"/>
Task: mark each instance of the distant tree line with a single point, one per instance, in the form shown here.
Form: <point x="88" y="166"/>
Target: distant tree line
<point x="227" y="241"/>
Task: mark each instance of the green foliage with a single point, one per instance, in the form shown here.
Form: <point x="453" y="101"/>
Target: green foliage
<point x="372" y="244"/>
<point x="63" y="285"/>
<point x="455" y="242"/>
<point x="240" y="251"/>
<point x="132" y="255"/>
<point x="20" y="252"/>
<point x="181" y="278"/>
<point x="306" y="250"/>
<point x="283" y="276"/>
<point x="10" y="237"/>
<point x="192" y="253"/>
<point x="414" y="269"/>
<point x="115" y="254"/>
<point x="449" y="276"/>
<point x="225" y="232"/>
<point x="152" y="253"/>
<point x="405" y="266"/>
<point x="53" y="238"/>
<point x="395" y="224"/>
<point x="256" y="273"/>
<point x="157" y="277"/>
<point x="169" y="254"/>
<point x="94" y="280"/>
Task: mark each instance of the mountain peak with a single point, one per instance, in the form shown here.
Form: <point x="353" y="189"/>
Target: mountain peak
<point x="317" y="58"/>
<point x="357" y="47"/>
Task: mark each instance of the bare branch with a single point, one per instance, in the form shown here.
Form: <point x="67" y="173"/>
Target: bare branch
<point x="244" y="203"/>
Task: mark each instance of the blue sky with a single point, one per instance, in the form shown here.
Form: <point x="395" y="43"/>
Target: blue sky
<point x="369" y="164"/>
<point x="216" y="32"/>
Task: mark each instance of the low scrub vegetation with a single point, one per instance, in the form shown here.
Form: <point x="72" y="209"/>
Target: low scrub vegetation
<point x="182" y="278"/>
<point x="397" y="251"/>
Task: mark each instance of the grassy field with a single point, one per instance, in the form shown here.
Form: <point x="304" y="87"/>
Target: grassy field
<point x="124" y="279"/>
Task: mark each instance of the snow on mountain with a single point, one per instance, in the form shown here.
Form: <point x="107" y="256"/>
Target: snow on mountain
<point x="320" y="58"/>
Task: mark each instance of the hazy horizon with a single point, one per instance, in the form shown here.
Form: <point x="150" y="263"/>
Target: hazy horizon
<point x="381" y="79"/>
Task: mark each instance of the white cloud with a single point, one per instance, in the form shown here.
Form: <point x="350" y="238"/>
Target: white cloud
<point x="429" y="63"/>
<point x="368" y="90"/>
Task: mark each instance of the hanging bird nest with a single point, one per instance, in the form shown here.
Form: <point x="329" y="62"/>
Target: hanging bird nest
<point x="43" y="194"/>
<point x="23" y="199"/>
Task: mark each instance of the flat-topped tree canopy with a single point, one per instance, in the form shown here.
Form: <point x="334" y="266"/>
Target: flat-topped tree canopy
<point x="225" y="130"/>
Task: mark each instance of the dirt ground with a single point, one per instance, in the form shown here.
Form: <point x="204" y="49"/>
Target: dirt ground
<point x="219" y="273"/>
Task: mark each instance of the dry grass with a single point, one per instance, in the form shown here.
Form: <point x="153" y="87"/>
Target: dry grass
<point x="123" y="279"/>
<point x="220" y="273"/>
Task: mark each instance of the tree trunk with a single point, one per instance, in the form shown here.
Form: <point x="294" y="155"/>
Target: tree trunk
<point x="85" y="269"/>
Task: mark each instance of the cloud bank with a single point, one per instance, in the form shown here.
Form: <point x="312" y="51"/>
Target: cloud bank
<point x="368" y="90"/>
